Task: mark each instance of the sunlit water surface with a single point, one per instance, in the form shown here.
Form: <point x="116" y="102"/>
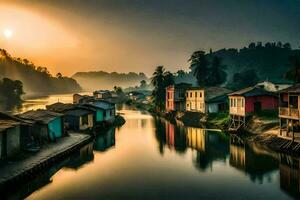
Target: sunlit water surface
<point x="151" y="158"/>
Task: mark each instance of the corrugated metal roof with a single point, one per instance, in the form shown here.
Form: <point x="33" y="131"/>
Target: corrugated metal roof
<point x="60" y="107"/>
<point x="6" y="124"/>
<point x="78" y="112"/>
<point x="103" y="104"/>
<point x="252" y="91"/>
<point x="43" y="116"/>
<point x="292" y="89"/>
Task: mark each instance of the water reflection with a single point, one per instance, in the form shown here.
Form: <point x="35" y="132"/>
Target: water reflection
<point x="290" y="175"/>
<point x="255" y="162"/>
<point x="74" y="161"/>
<point x="105" y="141"/>
<point x="82" y="157"/>
<point x="152" y="158"/>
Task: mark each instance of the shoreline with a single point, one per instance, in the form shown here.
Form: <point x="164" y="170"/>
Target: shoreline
<point x="18" y="171"/>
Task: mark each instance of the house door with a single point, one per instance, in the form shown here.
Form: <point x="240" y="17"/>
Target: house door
<point x="257" y="106"/>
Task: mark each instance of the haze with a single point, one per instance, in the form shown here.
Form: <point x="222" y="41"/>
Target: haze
<point x="135" y="35"/>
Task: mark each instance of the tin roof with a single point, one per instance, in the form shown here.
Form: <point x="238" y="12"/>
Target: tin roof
<point x="78" y="112"/>
<point x="292" y="89"/>
<point x="43" y="116"/>
<point x="6" y="124"/>
<point x="60" y="107"/>
<point x="252" y="91"/>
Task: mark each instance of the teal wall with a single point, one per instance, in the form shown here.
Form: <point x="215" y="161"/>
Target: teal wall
<point x="55" y="128"/>
<point x="99" y="116"/>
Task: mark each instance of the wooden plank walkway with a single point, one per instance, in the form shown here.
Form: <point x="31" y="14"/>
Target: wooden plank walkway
<point x="49" y="152"/>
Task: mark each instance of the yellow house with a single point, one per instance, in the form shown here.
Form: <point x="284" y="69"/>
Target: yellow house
<point x="206" y="100"/>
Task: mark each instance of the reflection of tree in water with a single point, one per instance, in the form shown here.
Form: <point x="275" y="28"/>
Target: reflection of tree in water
<point x="290" y="175"/>
<point x="215" y="146"/>
<point x="104" y="141"/>
<point x="170" y="135"/>
<point x="160" y="133"/>
<point x="256" y="163"/>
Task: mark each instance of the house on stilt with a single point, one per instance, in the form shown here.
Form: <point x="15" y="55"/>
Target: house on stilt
<point x="248" y="101"/>
<point x="289" y="112"/>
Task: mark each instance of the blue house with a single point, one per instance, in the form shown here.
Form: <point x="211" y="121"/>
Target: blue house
<point x="48" y="125"/>
<point x="76" y="117"/>
<point x="104" y="111"/>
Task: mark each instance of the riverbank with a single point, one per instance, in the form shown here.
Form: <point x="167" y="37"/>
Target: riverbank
<point x="262" y="128"/>
<point x="31" y="163"/>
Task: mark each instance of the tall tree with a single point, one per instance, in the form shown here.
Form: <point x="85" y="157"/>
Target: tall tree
<point x="160" y="80"/>
<point x="199" y="64"/>
<point x="294" y="73"/>
<point x="217" y="74"/>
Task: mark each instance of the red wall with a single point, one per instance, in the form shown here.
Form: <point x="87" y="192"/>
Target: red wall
<point x="267" y="103"/>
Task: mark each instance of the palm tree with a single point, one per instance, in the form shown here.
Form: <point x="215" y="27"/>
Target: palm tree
<point x="217" y="74"/>
<point x="199" y="64"/>
<point x="160" y="80"/>
<point x="294" y="73"/>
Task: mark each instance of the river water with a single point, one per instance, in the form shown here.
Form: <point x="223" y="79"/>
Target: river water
<point x="150" y="158"/>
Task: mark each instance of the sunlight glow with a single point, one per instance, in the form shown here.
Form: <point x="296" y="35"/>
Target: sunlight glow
<point x="7" y="33"/>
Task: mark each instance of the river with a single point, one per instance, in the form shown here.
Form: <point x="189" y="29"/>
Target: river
<point x="150" y="158"/>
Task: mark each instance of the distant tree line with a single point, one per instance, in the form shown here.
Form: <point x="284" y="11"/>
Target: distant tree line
<point x="236" y="69"/>
<point x="35" y="79"/>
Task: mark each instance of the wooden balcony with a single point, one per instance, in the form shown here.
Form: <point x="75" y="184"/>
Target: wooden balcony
<point x="290" y="113"/>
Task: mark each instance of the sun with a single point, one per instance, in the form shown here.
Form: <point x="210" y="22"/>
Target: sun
<point x="7" y="33"/>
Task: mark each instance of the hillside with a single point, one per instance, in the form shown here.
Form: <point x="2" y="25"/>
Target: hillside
<point x="36" y="80"/>
<point x="270" y="60"/>
<point x="91" y="81"/>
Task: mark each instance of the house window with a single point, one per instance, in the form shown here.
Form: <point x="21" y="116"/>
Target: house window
<point x="191" y="94"/>
<point x="195" y="94"/>
<point x="200" y="94"/>
<point x="234" y="103"/>
<point x="242" y="103"/>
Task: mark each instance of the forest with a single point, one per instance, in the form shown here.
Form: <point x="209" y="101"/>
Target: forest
<point x="35" y="79"/>
<point x="269" y="61"/>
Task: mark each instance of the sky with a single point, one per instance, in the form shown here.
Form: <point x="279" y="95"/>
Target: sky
<point x="68" y="36"/>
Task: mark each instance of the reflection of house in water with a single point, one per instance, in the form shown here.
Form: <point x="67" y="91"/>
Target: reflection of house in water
<point x="176" y="137"/>
<point x="196" y="138"/>
<point x="105" y="141"/>
<point x="211" y="146"/>
<point x="290" y="175"/>
<point x="81" y="157"/>
<point x="251" y="160"/>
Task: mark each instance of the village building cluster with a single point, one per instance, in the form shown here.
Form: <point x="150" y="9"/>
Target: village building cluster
<point x="264" y="96"/>
<point x="30" y="130"/>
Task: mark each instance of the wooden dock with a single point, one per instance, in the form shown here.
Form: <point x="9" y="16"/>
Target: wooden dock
<point x="23" y="170"/>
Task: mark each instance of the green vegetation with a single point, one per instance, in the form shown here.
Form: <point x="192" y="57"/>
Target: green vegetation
<point x="267" y="114"/>
<point x="208" y="72"/>
<point x="294" y="73"/>
<point x="35" y="79"/>
<point x="10" y="92"/>
<point x="218" y="119"/>
<point x="256" y="62"/>
<point x="160" y="80"/>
